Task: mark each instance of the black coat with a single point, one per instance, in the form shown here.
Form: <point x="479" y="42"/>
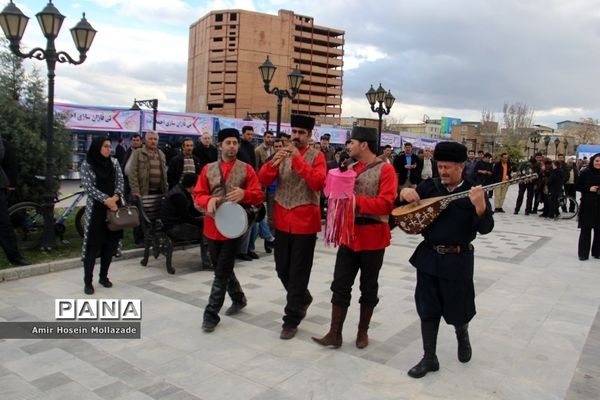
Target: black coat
<point x="480" y="178"/>
<point x="589" y="211"/>
<point x="415" y="174"/>
<point x="8" y="166"/>
<point x="246" y="153"/>
<point x="498" y="171"/>
<point x="458" y="224"/>
<point x="120" y="155"/>
<point x="176" y="169"/>
<point x="178" y="207"/>
<point x="206" y="155"/>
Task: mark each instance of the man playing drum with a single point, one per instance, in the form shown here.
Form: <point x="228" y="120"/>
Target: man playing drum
<point x="444" y="259"/>
<point x="300" y="172"/>
<point x="226" y="180"/>
<point x="375" y="190"/>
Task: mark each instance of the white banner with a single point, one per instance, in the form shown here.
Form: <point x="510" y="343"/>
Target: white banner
<point x="97" y="119"/>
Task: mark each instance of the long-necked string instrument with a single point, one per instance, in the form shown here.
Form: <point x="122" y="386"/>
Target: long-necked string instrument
<point x="415" y="217"/>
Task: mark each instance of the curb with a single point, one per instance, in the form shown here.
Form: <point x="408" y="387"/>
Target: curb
<point x="10" y="274"/>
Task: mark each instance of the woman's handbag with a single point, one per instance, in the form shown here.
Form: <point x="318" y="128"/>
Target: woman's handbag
<point x="125" y="217"/>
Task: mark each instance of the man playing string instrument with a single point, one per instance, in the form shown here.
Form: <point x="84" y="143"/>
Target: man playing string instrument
<point x="444" y="259"/>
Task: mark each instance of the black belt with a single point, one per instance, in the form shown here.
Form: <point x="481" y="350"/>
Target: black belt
<point x="451" y="249"/>
<point x="366" y="221"/>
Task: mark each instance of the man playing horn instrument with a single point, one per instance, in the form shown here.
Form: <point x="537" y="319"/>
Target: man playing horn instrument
<point x="228" y="179"/>
<point x="444" y="260"/>
<point x="300" y="172"/>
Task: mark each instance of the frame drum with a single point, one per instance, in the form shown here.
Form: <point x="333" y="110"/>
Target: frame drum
<point x="231" y="220"/>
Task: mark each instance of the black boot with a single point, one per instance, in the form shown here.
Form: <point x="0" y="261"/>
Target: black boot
<point x="215" y="302"/>
<point x="464" y="346"/>
<point x="205" y="255"/>
<point x="238" y="299"/>
<point x="429" y="362"/>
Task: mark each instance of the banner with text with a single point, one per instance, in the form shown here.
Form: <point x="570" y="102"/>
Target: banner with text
<point x="178" y="123"/>
<point x="97" y="119"/>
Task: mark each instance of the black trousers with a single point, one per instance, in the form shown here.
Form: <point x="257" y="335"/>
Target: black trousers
<point x="437" y="297"/>
<point x="8" y="240"/>
<point x="293" y="262"/>
<point x="347" y="265"/>
<point x="570" y="191"/>
<point x="585" y="242"/>
<point x="105" y="251"/>
<point x="223" y="253"/>
<point x="525" y="188"/>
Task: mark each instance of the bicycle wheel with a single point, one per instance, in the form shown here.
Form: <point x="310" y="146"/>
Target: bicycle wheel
<point x="28" y="224"/>
<point x="79" y="221"/>
<point x="569" y="208"/>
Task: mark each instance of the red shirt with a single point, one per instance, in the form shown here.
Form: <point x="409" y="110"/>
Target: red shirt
<point x="253" y="195"/>
<point x="305" y="219"/>
<point x="375" y="236"/>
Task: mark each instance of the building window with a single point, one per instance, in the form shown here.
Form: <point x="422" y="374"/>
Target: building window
<point x="233" y="17"/>
<point x="219" y="17"/>
<point x="218" y="27"/>
<point x="217" y="39"/>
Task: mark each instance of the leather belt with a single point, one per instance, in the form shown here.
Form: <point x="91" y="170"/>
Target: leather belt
<point x="366" y="221"/>
<point x="454" y="249"/>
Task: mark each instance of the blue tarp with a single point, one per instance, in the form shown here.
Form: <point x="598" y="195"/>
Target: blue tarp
<point x="587" y="150"/>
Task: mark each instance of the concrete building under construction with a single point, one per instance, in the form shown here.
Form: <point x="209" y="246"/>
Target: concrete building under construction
<point x="226" y="48"/>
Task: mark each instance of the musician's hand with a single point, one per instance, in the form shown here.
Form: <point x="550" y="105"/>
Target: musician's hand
<point x="280" y="156"/>
<point x="212" y="205"/>
<point x="292" y="150"/>
<point x="236" y="195"/>
<point x="594" y="189"/>
<point x="477" y="197"/>
<point x="410" y="195"/>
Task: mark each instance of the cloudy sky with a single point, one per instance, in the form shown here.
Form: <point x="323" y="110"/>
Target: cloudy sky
<point x="451" y="58"/>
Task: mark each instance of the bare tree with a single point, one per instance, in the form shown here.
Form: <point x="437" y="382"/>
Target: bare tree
<point x="390" y="124"/>
<point x="517" y="119"/>
<point x="586" y="131"/>
<point x="489" y="125"/>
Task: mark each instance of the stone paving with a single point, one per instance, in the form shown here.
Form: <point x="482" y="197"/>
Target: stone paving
<point x="536" y="334"/>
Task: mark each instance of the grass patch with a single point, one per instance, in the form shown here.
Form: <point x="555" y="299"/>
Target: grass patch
<point x="70" y="247"/>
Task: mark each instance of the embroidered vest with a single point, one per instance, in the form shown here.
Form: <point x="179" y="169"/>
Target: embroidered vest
<point x="292" y="190"/>
<point x="367" y="184"/>
<point x="237" y="177"/>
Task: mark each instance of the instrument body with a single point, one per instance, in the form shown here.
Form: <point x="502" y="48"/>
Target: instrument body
<point x="414" y="218"/>
<point x="231" y="220"/>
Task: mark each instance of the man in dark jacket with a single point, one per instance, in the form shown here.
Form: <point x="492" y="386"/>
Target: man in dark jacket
<point x="120" y="152"/>
<point x="246" y="152"/>
<point x="205" y="151"/>
<point x="502" y="173"/>
<point x="444" y="259"/>
<point x="8" y="178"/>
<point x="408" y="168"/>
<point x="182" y="221"/>
<point x="183" y="163"/>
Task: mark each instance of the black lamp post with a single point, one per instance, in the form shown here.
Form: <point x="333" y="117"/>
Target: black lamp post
<point x="13" y="23"/>
<point x="267" y="71"/>
<point x="546" y="143"/>
<point x="152" y="103"/>
<point x="385" y="100"/>
<point x="265" y="116"/>
<point x="556" y="143"/>
<point x="535" y="139"/>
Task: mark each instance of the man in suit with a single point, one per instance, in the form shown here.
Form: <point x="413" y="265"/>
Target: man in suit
<point x="408" y="168"/>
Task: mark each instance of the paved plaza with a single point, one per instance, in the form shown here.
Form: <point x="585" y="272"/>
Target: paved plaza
<point x="536" y="334"/>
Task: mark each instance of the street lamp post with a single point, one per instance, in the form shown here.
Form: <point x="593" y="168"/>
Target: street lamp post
<point x="535" y="139"/>
<point x="13" y="23"/>
<point x="565" y="144"/>
<point x="556" y="143"/>
<point x="385" y="100"/>
<point x="265" y="116"/>
<point x="267" y="71"/>
<point x="151" y="103"/>
<point x="546" y="143"/>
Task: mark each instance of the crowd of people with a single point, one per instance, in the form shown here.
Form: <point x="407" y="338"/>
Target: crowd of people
<point x="286" y="175"/>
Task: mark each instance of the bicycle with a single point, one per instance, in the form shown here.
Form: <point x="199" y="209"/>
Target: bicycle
<point x="27" y="220"/>
<point x="568" y="207"/>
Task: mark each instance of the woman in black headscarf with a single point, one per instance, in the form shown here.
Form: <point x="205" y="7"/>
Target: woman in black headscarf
<point x="102" y="181"/>
<point x="588" y="184"/>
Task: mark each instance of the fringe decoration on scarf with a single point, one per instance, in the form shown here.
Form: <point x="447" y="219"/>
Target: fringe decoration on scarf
<point x="339" y="226"/>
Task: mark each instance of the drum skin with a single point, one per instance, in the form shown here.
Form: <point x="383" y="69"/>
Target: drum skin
<point x="231" y="220"/>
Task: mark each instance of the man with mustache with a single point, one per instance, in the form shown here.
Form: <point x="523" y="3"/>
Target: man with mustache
<point x="444" y="259"/>
<point x="300" y="172"/>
